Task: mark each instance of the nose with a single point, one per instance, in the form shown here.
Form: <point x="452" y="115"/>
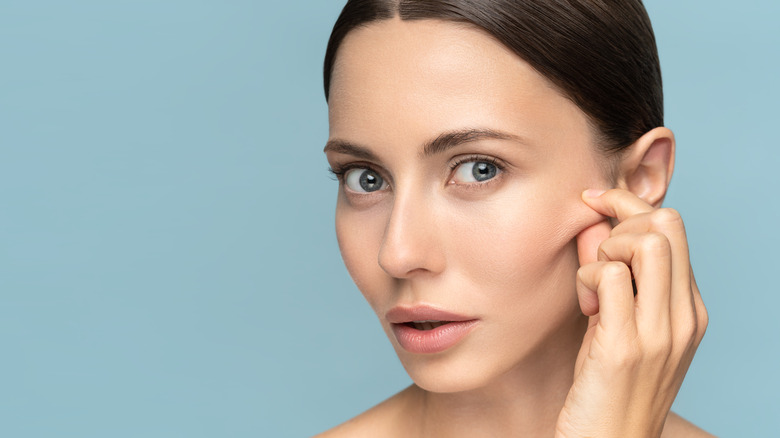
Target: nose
<point x="411" y="245"/>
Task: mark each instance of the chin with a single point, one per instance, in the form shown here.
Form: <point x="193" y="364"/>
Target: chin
<point x="449" y="372"/>
<point x="446" y="379"/>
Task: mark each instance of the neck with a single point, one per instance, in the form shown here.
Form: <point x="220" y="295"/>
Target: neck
<point x="523" y="402"/>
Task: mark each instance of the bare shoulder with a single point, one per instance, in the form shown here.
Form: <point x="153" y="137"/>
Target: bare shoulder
<point x="678" y="427"/>
<point x="384" y="420"/>
<point x="380" y="421"/>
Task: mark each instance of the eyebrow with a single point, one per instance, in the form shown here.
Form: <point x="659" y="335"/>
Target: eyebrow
<point x="438" y="145"/>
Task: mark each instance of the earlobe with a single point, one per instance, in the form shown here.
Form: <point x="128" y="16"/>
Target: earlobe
<point x="646" y="166"/>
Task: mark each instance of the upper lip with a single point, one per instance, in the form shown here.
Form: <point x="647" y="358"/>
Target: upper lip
<point x="404" y="314"/>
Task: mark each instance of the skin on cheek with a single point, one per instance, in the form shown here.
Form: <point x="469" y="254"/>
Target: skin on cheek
<point x="518" y="254"/>
<point x="525" y="229"/>
<point x="359" y="235"/>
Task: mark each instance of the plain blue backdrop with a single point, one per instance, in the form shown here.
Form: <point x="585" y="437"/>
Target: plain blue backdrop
<point x="168" y="265"/>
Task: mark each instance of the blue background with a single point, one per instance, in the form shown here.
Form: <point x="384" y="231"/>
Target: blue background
<point x="168" y="266"/>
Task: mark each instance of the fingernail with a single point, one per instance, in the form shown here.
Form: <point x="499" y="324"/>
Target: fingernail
<point x="593" y="193"/>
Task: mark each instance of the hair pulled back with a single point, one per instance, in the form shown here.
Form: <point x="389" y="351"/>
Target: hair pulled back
<point x="601" y="54"/>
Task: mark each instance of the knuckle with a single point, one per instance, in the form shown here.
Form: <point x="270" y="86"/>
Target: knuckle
<point x="655" y="243"/>
<point x="703" y="320"/>
<point x="687" y="331"/>
<point x="616" y="270"/>
<point x="659" y="347"/>
<point x="666" y="216"/>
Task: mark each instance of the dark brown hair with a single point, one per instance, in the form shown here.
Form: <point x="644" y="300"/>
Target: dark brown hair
<point x="601" y="54"/>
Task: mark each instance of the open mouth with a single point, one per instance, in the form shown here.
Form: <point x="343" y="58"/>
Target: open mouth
<point x="425" y="325"/>
<point x="425" y="329"/>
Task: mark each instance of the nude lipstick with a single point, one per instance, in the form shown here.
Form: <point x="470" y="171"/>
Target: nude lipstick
<point x="427" y="330"/>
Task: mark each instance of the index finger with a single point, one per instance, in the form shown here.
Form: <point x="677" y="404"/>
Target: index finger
<point x="617" y="203"/>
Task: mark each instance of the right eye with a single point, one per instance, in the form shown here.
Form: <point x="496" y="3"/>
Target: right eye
<point x="363" y="180"/>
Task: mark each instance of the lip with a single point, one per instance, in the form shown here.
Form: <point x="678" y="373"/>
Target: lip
<point x="428" y="341"/>
<point x="404" y="314"/>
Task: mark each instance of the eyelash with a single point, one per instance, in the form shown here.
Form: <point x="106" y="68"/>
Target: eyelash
<point x="338" y="171"/>
<point x="477" y="158"/>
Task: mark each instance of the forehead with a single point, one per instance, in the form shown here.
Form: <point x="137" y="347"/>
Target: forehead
<point x="417" y="77"/>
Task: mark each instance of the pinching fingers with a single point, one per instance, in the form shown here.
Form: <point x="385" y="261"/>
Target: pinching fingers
<point x="617" y="203"/>
<point x="648" y="255"/>
<point x="667" y="222"/>
<point x="610" y="283"/>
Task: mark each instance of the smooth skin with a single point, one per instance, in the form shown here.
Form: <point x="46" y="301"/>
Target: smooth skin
<point x="561" y="346"/>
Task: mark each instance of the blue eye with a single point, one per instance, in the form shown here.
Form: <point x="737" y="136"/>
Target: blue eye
<point x="475" y="171"/>
<point x="363" y="180"/>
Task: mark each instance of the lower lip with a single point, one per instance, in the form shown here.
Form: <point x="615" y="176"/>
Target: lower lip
<point x="432" y="341"/>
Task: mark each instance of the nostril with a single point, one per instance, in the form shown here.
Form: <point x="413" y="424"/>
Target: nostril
<point x="403" y="264"/>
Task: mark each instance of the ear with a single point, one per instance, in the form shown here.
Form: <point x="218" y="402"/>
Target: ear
<point x="646" y="166"/>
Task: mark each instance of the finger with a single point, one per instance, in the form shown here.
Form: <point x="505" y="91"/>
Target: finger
<point x="649" y="257"/>
<point x="668" y="222"/>
<point x="617" y="203"/>
<point x="611" y="283"/>
<point x="628" y="208"/>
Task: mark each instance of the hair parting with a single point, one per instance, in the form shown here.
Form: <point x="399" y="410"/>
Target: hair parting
<point x="601" y="54"/>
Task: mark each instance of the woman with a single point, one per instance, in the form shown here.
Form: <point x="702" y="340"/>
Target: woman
<point x="502" y="165"/>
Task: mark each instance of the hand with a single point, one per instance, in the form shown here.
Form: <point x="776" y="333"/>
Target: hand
<point x="636" y="349"/>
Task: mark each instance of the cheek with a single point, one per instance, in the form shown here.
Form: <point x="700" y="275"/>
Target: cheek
<point x="510" y="248"/>
<point x="359" y="235"/>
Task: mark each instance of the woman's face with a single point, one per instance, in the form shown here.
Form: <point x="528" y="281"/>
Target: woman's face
<point x="461" y="170"/>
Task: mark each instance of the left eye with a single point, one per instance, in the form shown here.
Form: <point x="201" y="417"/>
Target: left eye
<point x="475" y="171"/>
